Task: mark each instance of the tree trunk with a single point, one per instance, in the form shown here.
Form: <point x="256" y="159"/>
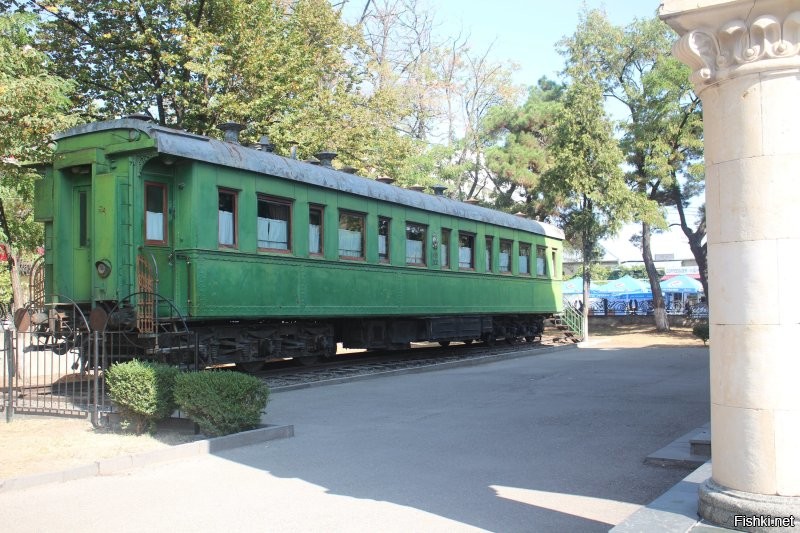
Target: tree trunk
<point x="587" y="280"/>
<point x="659" y="309"/>
<point x="17" y="290"/>
<point x="695" y="239"/>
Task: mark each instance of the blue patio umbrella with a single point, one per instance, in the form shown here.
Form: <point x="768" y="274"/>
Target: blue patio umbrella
<point x="683" y="284"/>
<point x="572" y="286"/>
<point x="575" y="286"/>
<point x="626" y="288"/>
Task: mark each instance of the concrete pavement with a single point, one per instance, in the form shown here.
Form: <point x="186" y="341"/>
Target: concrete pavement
<point x="550" y="442"/>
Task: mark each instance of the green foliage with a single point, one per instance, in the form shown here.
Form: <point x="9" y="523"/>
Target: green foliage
<point x="662" y="135"/>
<point x="221" y="402"/>
<point x="701" y="331"/>
<point x="290" y="70"/>
<point x="33" y="104"/>
<point x="524" y="155"/>
<point x="142" y="391"/>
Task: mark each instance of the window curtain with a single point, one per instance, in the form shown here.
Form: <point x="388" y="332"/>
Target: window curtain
<point x="540" y="268"/>
<point x="504" y="262"/>
<point x="350" y="243"/>
<point x="273" y="233"/>
<point x="523" y="264"/>
<point x="414" y="252"/>
<point x="382" y="252"/>
<point x="464" y="257"/>
<point x="226" y="228"/>
<point x="155" y="226"/>
<point x="443" y="255"/>
<point x="313" y="239"/>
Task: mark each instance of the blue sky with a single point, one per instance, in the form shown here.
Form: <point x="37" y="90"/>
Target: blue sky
<point x="526" y="31"/>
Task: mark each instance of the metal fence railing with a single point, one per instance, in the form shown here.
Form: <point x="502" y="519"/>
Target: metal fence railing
<point x="40" y="376"/>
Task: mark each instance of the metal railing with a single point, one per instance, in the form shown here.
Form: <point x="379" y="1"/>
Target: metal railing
<point x="572" y="318"/>
<point x="42" y="376"/>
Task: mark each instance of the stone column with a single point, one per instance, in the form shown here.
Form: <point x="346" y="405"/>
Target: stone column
<point x="745" y="58"/>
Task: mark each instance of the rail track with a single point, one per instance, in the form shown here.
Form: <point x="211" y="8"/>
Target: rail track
<point x="289" y="375"/>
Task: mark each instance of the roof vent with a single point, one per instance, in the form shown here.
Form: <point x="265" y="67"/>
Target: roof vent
<point x="265" y="144"/>
<point x="472" y="201"/>
<point x="385" y="179"/>
<point x="312" y="161"/>
<point x="418" y="188"/>
<point x="439" y="189"/>
<point x="326" y="158"/>
<point x="231" y="131"/>
<point x="140" y="116"/>
<point x="348" y="169"/>
<point x="520" y="214"/>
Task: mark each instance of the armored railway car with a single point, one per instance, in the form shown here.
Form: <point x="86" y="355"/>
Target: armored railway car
<point x="270" y="257"/>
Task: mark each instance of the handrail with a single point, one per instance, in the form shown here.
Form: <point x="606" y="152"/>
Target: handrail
<point x="573" y="319"/>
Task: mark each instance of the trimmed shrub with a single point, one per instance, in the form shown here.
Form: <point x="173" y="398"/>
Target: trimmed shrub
<point x="221" y="403"/>
<point x="142" y="391"/>
<point x="701" y="332"/>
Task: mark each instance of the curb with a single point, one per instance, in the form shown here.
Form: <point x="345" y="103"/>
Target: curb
<point x="112" y="466"/>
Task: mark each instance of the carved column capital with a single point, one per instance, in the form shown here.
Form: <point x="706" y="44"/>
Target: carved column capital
<point x="737" y="48"/>
<point x="753" y="37"/>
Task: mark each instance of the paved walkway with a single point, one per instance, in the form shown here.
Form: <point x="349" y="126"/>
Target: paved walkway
<point x="548" y="442"/>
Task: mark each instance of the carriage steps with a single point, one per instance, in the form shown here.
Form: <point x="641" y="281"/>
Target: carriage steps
<point x="557" y="322"/>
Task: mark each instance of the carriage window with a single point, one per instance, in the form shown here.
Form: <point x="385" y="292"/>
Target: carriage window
<point x="351" y="235"/>
<point x="315" y="230"/>
<point x="227" y="218"/>
<point x="466" y="250"/>
<point x="274" y="224"/>
<point x="383" y="239"/>
<point x="489" y="242"/>
<point x="555" y="268"/>
<point x="524" y="258"/>
<point x="155" y="207"/>
<point x="445" y="248"/>
<point x="541" y="261"/>
<point x="415" y="243"/>
<point x="505" y="256"/>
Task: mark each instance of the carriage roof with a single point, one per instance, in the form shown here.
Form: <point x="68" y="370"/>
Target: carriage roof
<point x="197" y="147"/>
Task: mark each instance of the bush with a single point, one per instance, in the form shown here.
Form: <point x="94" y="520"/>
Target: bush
<point x="701" y="332"/>
<point x="142" y="391"/>
<point x="221" y="402"/>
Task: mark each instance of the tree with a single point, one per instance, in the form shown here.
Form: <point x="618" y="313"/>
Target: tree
<point x="33" y="104"/>
<point x="523" y="155"/>
<point x="288" y="69"/>
<point x="586" y="177"/>
<point x="662" y="135"/>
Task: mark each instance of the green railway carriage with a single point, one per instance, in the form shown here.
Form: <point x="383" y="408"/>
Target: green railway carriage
<point x="270" y="257"/>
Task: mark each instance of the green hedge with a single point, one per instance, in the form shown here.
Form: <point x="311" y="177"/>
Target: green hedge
<point x="142" y="391"/>
<point x="221" y="402"/>
<point x="701" y="332"/>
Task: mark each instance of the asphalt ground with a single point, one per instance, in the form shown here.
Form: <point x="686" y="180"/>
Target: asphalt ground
<point x="548" y="442"/>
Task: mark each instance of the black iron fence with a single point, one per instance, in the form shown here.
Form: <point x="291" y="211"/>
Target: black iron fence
<point x="608" y="307"/>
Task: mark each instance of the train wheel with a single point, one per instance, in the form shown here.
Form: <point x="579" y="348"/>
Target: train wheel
<point x="468" y="342"/>
<point x="308" y="360"/>
<point x="488" y="339"/>
<point x="444" y="344"/>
